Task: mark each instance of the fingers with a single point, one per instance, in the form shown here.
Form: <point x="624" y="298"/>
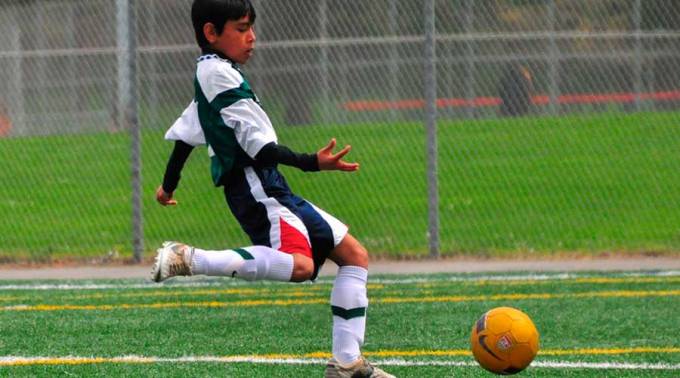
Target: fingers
<point x="342" y="152"/>
<point x="348" y="167"/>
<point x="160" y="193"/>
<point x="167" y="202"/>
<point x="329" y="147"/>
<point x="164" y="198"/>
<point x="330" y="161"/>
<point x="343" y="165"/>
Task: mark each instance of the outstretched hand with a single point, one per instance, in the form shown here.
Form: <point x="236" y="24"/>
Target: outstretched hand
<point x="329" y="161"/>
<point x="164" y="198"/>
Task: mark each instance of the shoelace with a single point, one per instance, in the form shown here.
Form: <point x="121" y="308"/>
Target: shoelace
<point x="178" y="266"/>
<point x="178" y="269"/>
<point x="366" y="369"/>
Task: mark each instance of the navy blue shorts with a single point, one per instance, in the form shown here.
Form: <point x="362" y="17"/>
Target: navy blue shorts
<point x="273" y="216"/>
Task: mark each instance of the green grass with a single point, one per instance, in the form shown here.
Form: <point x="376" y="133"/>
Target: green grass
<point x="590" y="184"/>
<point x="582" y="318"/>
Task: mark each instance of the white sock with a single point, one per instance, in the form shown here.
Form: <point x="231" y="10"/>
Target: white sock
<point x="348" y="304"/>
<point x="250" y="263"/>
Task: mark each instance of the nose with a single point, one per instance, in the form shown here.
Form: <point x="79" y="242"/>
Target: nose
<point x="252" y="36"/>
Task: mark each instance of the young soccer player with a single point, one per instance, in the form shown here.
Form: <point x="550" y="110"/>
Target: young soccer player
<point x="291" y="237"/>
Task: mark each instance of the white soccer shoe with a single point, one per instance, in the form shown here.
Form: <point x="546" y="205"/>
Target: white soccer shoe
<point x="360" y="369"/>
<point x="172" y="259"/>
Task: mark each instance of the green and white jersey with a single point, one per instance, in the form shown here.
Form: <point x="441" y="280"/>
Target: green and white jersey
<point x="225" y="115"/>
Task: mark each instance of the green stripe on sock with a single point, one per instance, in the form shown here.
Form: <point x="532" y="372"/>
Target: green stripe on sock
<point x="348" y="314"/>
<point x="245" y="254"/>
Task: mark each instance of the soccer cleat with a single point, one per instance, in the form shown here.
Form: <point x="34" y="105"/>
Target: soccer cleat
<point x="360" y="369"/>
<point x="172" y="259"/>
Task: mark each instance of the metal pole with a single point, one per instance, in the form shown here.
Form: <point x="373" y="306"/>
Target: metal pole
<point x="256" y="72"/>
<point x="392" y="14"/>
<point x="16" y="110"/>
<point x="40" y="76"/>
<point x="553" y="62"/>
<point x="431" y="126"/>
<point x="153" y="60"/>
<point x="469" y="58"/>
<point x="127" y="101"/>
<point x="72" y="62"/>
<point x="637" y="56"/>
<point x="323" y="31"/>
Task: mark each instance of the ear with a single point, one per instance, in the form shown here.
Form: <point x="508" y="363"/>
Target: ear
<point x="210" y="32"/>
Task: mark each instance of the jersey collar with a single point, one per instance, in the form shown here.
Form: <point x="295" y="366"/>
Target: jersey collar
<point x="210" y="51"/>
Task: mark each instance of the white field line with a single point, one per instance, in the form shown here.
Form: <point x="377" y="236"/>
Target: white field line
<point x="74" y="360"/>
<point x="419" y="279"/>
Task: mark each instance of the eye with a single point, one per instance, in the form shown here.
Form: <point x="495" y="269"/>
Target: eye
<point x="244" y="28"/>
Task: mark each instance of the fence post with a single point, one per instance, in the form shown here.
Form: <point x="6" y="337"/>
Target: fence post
<point x="152" y="62"/>
<point x="70" y="37"/>
<point x="393" y="26"/>
<point x="17" y="113"/>
<point x="127" y="105"/>
<point x="323" y="36"/>
<point x="637" y="56"/>
<point x="430" y="73"/>
<point x="469" y="58"/>
<point x="553" y="59"/>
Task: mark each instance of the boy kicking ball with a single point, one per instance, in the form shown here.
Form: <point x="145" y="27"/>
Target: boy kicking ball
<point x="291" y="237"/>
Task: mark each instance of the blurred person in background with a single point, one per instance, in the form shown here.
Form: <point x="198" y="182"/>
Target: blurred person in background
<point x="515" y="89"/>
<point x="5" y="122"/>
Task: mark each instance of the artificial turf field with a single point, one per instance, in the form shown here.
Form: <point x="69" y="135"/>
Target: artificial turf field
<point x="591" y="325"/>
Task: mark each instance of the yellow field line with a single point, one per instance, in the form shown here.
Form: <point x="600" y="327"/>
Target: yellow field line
<point x="314" y="301"/>
<point x="592" y="294"/>
<point x="304" y="291"/>
<point x="76" y="360"/>
<point x="296" y="291"/>
<point x="127" y="306"/>
<point x="611" y="351"/>
<point x="299" y="292"/>
<point x="73" y="360"/>
<point x="311" y="290"/>
<point x="10" y="298"/>
<point x="576" y="280"/>
<point x="466" y="352"/>
<point x="546" y="352"/>
<point x="599" y="280"/>
<point x="63" y="361"/>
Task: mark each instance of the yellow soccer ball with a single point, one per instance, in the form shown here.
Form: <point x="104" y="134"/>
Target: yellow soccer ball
<point x="504" y="340"/>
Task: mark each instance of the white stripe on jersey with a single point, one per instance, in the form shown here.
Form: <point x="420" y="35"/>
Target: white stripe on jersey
<point x="216" y="76"/>
<point x="187" y="127"/>
<point x="339" y="229"/>
<point x="251" y="125"/>
<point x="275" y="210"/>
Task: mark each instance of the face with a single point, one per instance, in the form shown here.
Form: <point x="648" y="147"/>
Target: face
<point x="237" y="40"/>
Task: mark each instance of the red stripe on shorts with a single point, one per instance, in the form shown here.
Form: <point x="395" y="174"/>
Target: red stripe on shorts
<point x="293" y="241"/>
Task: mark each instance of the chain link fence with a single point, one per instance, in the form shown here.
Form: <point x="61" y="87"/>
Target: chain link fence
<point x="555" y="123"/>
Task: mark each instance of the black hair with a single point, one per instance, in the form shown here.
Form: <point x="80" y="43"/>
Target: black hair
<point x="218" y="12"/>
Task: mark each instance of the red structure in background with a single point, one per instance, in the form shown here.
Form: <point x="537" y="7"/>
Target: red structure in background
<point x="584" y="98"/>
<point x="5" y="124"/>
